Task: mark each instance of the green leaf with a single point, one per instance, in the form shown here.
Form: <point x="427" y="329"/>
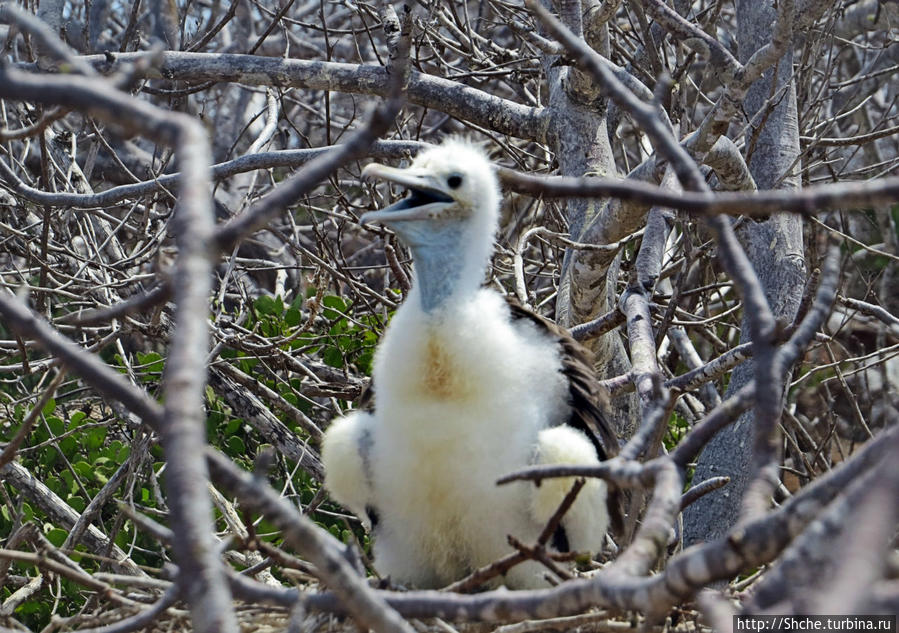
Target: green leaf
<point x="236" y="446"/>
<point x="293" y="317"/>
<point x="346" y="343"/>
<point x="246" y="365"/>
<point x="77" y="502"/>
<point x="151" y="362"/>
<point x="31" y="607"/>
<point x="56" y="425"/>
<point x="48" y="458"/>
<point x="332" y="356"/>
<point x="339" y="327"/>
<point x="69" y="478"/>
<point x="268" y="329"/>
<point x="83" y="469"/>
<point x="364" y="361"/>
<point x="333" y="301"/>
<point x="77" y="419"/>
<point x="50" y="406"/>
<point x="54" y="484"/>
<point x="332" y="304"/>
<point x="268" y="305"/>
<point x="113" y="448"/>
<point x="94" y="438"/>
<point x="57" y="536"/>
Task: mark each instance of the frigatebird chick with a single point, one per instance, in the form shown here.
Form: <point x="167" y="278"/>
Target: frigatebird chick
<point x="468" y="388"/>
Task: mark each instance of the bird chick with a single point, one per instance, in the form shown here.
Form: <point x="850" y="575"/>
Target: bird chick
<point x="468" y="388"/>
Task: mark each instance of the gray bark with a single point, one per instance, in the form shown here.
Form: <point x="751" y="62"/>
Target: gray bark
<point x="64" y="515"/>
<point x="578" y="135"/>
<point x="775" y="248"/>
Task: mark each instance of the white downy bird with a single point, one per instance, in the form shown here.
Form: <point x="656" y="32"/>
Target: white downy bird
<point x="468" y="388"/>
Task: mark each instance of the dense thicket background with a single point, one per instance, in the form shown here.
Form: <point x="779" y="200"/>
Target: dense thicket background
<point x="106" y="519"/>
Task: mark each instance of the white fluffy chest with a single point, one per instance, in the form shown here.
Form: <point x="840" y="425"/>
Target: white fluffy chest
<point x="470" y="370"/>
<point x="459" y="403"/>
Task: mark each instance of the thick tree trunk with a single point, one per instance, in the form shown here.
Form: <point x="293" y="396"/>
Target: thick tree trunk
<point x="579" y="137"/>
<point x="775" y="247"/>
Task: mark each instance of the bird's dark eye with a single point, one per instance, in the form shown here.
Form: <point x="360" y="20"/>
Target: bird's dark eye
<point x="454" y="181"/>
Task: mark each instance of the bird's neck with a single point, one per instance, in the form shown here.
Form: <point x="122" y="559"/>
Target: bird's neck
<point x="450" y="261"/>
<point x="448" y="271"/>
<point x="441" y="276"/>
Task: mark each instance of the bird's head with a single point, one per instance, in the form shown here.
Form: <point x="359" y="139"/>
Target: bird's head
<point x="452" y="187"/>
<point x="448" y="218"/>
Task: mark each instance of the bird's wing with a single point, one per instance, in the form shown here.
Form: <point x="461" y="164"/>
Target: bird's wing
<point x="585" y="400"/>
<point x="584" y="394"/>
<point x="346" y="455"/>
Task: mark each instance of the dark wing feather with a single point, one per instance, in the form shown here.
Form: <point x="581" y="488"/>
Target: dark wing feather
<point x="584" y="396"/>
<point x="585" y="400"/>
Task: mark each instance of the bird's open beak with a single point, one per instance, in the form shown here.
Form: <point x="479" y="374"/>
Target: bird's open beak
<point x="427" y="195"/>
